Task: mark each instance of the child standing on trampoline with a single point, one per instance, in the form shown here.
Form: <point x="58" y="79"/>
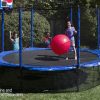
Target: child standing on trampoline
<point x="15" y="40"/>
<point x="70" y="32"/>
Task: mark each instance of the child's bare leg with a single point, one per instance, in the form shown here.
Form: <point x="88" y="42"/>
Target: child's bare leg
<point x="75" y="53"/>
<point x="67" y="57"/>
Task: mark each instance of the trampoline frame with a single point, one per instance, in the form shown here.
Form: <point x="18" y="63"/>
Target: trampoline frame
<point x="92" y="63"/>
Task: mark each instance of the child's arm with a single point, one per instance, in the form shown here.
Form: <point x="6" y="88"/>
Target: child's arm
<point x="11" y="36"/>
<point x="22" y="34"/>
<point x="50" y="37"/>
<point x="75" y="32"/>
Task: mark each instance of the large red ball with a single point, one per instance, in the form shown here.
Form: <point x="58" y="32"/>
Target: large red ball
<point x="60" y="44"/>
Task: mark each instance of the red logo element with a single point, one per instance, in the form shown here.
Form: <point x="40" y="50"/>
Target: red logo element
<point x="8" y="1"/>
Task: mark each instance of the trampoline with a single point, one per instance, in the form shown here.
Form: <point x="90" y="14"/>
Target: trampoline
<point x="43" y="59"/>
<point x="41" y="69"/>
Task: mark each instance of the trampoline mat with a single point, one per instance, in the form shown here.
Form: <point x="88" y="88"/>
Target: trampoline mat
<point x="46" y="58"/>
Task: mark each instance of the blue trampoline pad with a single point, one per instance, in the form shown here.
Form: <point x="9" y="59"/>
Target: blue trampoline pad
<point x="43" y="59"/>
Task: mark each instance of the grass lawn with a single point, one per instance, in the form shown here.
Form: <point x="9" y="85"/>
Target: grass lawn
<point x="91" y="94"/>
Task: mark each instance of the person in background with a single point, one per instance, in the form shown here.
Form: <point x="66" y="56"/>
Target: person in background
<point x="47" y="39"/>
<point x="15" y="40"/>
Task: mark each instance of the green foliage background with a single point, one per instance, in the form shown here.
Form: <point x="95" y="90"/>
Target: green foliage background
<point x="41" y="25"/>
<point x="42" y="22"/>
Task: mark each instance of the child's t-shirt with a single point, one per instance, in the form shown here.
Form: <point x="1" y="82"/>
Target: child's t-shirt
<point x="70" y="33"/>
<point x="16" y="44"/>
